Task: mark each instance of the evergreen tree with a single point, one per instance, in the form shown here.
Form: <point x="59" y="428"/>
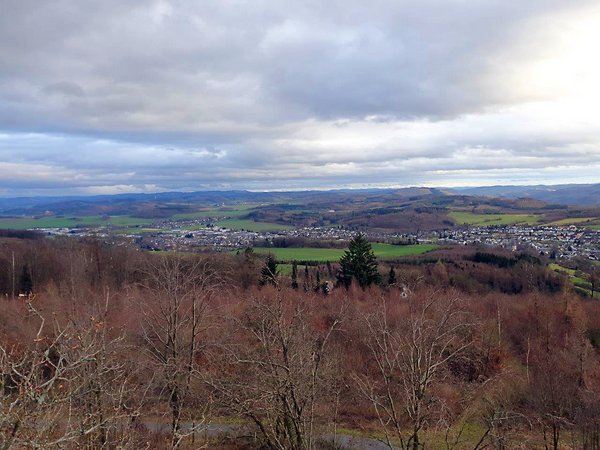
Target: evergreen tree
<point x="392" y="277"/>
<point x="306" y="284"/>
<point x="25" y="281"/>
<point x="359" y="263"/>
<point x="269" y="273"/>
<point x="295" y="275"/>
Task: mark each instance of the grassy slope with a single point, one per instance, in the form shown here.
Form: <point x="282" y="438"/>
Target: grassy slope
<point x="468" y="218"/>
<point x="580" y="283"/>
<point x="239" y="224"/>
<point x="573" y="221"/>
<point x="210" y="213"/>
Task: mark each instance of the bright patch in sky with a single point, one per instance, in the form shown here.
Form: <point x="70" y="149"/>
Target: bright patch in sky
<point x="102" y="97"/>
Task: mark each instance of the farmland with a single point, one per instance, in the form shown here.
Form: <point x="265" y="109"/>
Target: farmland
<point x="572" y="221"/>
<point x="482" y="220"/>
<point x="240" y="224"/>
<point x="382" y="251"/>
<point x="71" y="222"/>
<point x="203" y="214"/>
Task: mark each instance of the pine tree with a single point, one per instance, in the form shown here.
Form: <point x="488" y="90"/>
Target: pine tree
<point x="359" y="264"/>
<point x="295" y="275"/>
<point x="25" y="281"/>
<point x="269" y="271"/>
<point x="392" y="276"/>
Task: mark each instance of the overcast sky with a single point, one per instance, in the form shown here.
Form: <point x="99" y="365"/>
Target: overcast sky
<point x="139" y="96"/>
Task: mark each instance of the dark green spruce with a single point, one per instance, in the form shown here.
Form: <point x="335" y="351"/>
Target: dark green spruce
<point x="358" y="264"/>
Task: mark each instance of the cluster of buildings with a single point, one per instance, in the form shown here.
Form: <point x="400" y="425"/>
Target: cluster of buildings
<point x="218" y="238"/>
<point x="192" y="235"/>
<point x="557" y="242"/>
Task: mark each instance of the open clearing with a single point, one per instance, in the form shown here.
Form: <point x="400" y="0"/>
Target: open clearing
<point x="482" y="220"/>
<point x="24" y="223"/>
<point x="382" y="251"/>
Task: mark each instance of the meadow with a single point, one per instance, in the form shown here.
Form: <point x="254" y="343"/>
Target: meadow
<point x="24" y="223"/>
<point x="482" y="220"/>
<point x="581" y="221"/>
<point x="382" y="251"/>
<point x="211" y="213"/>
<point x="250" y="225"/>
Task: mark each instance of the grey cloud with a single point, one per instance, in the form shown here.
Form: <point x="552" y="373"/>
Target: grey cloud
<point x="181" y="94"/>
<point x="185" y="64"/>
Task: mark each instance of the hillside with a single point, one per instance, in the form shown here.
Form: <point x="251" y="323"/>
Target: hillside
<point x="564" y="194"/>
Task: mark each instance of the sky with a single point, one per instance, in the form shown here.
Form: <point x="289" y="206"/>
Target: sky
<point x="112" y="96"/>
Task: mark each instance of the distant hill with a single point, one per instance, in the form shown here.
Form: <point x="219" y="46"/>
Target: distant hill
<point x="129" y="203"/>
<point x="415" y="207"/>
<point x="564" y="194"/>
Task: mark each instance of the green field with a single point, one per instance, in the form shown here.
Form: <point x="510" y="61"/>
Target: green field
<point x="24" y="223"/>
<point x="250" y="225"/>
<point x="211" y="213"/>
<point x="383" y="251"/>
<point x="137" y="230"/>
<point x="573" y="221"/>
<point x="559" y="268"/>
<point x="193" y="227"/>
<point x="581" y="284"/>
<point x="483" y="220"/>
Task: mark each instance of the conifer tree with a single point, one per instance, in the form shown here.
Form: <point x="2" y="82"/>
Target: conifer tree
<point x="25" y="281"/>
<point x="306" y="284"/>
<point x="359" y="264"/>
<point x="392" y="277"/>
<point x="295" y="275"/>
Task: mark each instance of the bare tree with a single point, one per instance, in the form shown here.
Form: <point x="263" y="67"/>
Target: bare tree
<point x="494" y="407"/>
<point x="177" y="293"/>
<point x="409" y="354"/>
<point x="275" y="370"/>
<point x="66" y="388"/>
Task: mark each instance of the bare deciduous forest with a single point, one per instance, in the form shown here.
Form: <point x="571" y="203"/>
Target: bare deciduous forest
<point x="119" y="349"/>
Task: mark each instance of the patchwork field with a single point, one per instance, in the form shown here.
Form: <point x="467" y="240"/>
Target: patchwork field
<point x="250" y="225"/>
<point x="483" y="220"/>
<point x="211" y="213"/>
<point x="71" y="222"/>
<point x="383" y="251"/>
<point x="137" y="230"/>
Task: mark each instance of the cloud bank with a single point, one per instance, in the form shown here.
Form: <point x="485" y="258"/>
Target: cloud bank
<point x="113" y="96"/>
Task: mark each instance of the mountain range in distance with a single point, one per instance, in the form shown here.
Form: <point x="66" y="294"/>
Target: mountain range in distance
<point x="566" y="194"/>
<point x="562" y="194"/>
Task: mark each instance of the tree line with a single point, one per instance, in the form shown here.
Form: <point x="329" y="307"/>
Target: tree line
<point x="149" y="350"/>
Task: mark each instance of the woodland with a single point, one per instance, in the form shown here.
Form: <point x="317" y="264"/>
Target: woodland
<point x="113" y="348"/>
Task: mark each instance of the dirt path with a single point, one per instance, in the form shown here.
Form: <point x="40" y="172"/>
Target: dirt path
<point x="223" y="429"/>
